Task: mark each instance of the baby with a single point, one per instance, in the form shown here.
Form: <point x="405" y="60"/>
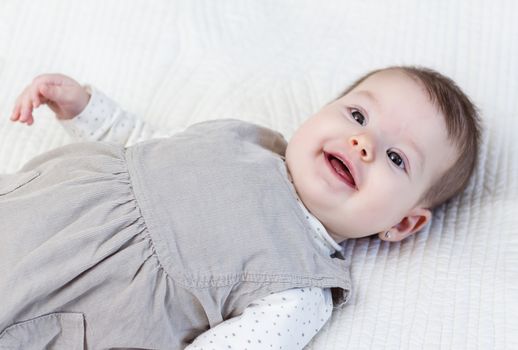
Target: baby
<point x="222" y="236"/>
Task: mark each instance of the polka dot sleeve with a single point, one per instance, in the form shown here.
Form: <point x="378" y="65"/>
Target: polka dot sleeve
<point x="285" y="320"/>
<point x="103" y="120"/>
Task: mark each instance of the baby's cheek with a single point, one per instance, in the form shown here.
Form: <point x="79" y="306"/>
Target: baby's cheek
<point x="380" y="198"/>
<point x="380" y="208"/>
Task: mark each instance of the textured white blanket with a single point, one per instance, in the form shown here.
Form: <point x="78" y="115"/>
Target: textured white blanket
<point x="453" y="286"/>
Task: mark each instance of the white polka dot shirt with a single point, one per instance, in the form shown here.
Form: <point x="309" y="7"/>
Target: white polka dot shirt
<point x="284" y="320"/>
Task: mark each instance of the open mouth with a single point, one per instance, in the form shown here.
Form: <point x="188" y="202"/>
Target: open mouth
<point x="340" y="169"/>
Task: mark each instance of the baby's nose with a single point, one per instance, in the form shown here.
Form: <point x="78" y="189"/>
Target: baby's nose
<point x="364" y="145"/>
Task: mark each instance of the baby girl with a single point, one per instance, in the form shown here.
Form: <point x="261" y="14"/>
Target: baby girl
<point x="222" y="235"/>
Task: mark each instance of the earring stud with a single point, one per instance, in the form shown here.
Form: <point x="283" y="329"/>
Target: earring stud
<point x="387" y="234"/>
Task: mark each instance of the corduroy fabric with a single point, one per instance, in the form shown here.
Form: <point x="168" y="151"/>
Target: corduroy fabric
<point x="148" y="246"/>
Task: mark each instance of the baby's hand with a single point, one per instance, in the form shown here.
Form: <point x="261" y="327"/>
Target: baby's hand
<point x="65" y="97"/>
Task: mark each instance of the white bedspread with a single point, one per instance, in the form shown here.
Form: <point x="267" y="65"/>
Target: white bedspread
<point x="453" y="286"/>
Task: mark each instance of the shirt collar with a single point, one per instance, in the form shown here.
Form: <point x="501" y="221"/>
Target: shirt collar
<point x="326" y="242"/>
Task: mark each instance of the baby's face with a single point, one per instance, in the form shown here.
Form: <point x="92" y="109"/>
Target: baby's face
<point x="391" y="138"/>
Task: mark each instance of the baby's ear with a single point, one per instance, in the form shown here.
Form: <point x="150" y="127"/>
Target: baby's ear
<point x="415" y="220"/>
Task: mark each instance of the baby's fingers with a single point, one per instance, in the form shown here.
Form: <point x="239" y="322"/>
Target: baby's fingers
<point x="35" y="94"/>
<point x="26" y="111"/>
<point x="19" y="105"/>
<point x="16" y="112"/>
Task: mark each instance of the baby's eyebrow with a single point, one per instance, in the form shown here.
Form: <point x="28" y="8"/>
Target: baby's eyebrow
<point x="421" y="157"/>
<point x="370" y="96"/>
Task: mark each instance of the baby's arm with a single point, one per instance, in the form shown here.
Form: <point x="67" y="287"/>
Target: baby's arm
<point x="287" y="320"/>
<point x="104" y="120"/>
<point x="84" y="112"/>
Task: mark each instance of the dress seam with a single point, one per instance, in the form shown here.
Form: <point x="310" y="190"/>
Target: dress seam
<point x="128" y="155"/>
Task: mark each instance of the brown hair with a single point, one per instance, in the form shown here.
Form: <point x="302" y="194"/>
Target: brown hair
<point x="462" y="123"/>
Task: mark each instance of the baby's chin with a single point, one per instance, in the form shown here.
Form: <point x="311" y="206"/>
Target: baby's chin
<point x="344" y="236"/>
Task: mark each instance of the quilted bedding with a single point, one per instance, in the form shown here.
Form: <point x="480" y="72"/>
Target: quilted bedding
<point x="452" y="286"/>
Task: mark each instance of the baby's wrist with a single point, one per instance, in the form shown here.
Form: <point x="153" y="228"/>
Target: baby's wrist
<point x="86" y="98"/>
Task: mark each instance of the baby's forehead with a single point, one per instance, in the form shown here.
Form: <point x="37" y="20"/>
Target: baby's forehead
<point x="395" y="92"/>
<point x="394" y="80"/>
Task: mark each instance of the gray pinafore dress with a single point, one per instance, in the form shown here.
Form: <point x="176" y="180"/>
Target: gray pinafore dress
<point x="103" y="246"/>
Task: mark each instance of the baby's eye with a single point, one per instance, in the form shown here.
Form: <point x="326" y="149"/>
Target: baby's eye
<point x="356" y="115"/>
<point x="396" y="159"/>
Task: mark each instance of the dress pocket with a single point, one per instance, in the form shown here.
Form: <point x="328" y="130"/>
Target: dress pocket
<point x="54" y="331"/>
<point x="11" y="182"/>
